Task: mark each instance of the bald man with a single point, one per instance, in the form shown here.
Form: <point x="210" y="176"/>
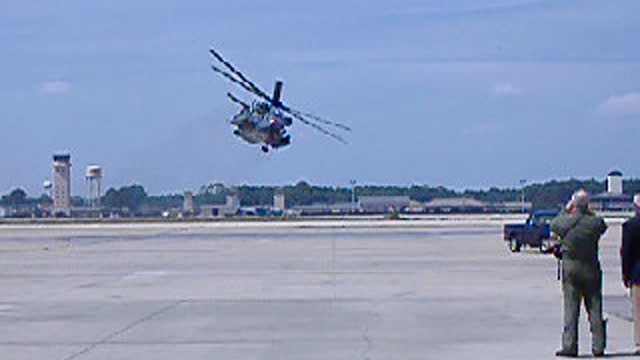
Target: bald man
<point x="579" y="230"/>
<point x="630" y="254"/>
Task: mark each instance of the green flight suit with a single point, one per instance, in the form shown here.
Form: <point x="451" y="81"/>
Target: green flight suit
<point x="581" y="276"/>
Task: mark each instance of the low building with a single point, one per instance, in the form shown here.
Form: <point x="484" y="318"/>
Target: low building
<point x="21" y="211"/>
<point x="89" y="212"/>
<point x="326" y="209"/>
<point x="511" y="207"/>
<point x="230" y="208"/>
<point x="464" y="205"/>
<point x="218" y="211"/>
<point x="383" y="204"/>
<point x="416" y="207"/>
<point x="260" y="211"/>
<point x="612" y="202"/>
<point x="455" y="205"/>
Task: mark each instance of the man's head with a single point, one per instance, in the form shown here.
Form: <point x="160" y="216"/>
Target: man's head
<point x="580" y="201"/>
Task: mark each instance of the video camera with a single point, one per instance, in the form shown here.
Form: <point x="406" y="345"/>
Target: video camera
<point x="557" y="250"/>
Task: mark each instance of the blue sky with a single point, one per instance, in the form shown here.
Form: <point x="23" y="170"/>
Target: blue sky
<point x="466" y="94"/>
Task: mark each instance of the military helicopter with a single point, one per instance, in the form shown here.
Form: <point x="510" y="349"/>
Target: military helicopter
<point x="265" y="121"/>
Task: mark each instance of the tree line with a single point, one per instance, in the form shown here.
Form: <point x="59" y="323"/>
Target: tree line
<point x="134" y="197"/>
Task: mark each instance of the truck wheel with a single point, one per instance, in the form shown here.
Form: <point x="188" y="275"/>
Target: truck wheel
<point x="514" y="246"/>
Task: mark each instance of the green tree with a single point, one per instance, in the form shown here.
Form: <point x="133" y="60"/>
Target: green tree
<point x="127" y="197"/>
<point x="111" y="198"/>
<point x="300" y="194"/>
<point x="15" y="197"/>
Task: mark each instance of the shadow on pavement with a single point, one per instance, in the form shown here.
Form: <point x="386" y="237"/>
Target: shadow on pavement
<point x="613" y="355"/>
<point x="618" y="306"/>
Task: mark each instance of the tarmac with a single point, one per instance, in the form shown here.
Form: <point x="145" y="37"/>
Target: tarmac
<point x="439" y="288"/>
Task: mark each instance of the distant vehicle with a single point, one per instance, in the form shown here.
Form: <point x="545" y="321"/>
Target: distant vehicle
<point x="265" y="120"/>
<point x="534" y="233"/>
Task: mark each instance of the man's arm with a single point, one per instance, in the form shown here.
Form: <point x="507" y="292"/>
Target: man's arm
<point x="561" y="224"/>
<point x="602" y="225"/>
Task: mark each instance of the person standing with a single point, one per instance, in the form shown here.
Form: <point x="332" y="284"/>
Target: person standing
<point x="630" y="254"/>
<point x="579" y="231"/>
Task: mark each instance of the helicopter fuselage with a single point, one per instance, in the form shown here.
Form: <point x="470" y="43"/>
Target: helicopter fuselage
<point x="262" y="124"/>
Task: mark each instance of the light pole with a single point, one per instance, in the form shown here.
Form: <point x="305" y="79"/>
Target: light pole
<point x="353" y="195"/>
<point x="522" y="182"/>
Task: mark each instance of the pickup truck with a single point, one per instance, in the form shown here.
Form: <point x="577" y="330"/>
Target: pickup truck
<point x="535" y="232"/>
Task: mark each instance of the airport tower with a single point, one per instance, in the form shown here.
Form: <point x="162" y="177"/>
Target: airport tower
<point x="94" y="185"/>
<point x="62" y="184"/>
<point x="233" y="200"/>
<point x="614" y="182"/>
<point x="278" y="199"/>
<point x="187" y="206"/>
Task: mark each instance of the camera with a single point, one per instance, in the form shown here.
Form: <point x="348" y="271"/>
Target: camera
<point x="557" y="250"/>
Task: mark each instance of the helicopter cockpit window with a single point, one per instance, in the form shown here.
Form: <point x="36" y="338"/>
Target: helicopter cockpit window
<point x="262" y="108"/>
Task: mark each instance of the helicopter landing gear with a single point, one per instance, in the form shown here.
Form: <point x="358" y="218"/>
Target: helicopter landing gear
<point x="265" y="149"/>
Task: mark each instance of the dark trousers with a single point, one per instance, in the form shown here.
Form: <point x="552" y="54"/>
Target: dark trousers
<point x="582" y="281"/>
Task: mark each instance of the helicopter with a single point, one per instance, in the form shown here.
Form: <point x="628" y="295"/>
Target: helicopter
<point x="266" y="119"/>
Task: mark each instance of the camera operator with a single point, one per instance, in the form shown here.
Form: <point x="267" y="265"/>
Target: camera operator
<point x="579" y="230"/>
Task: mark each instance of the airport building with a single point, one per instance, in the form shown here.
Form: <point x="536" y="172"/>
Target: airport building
<point x="61" y="184"/>
<point x="471" y="205"/>
<point x="279" y="199"/>
<point x="325" y="209"/>
<point x="230" y="208"/>
<point x="614" y="199"/>
<point x="382" y="204"/>
<point x="455" y="205"/>
<point x="385" y="204"/>
<point x="187" y="205"/>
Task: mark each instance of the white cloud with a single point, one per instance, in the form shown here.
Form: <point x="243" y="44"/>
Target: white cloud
<point x="506" y="89"/>
<point x="621" y="105"/>
<point x="55" y="87"/>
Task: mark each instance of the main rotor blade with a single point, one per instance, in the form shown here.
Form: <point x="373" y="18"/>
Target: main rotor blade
<point x="318" y="127"/>
<point x="237" y="101"/>
<point x="231" y="78"/>
<point x="321" y="120"/>
<point x="254" y="87"/>
<point x="293" y="111"/>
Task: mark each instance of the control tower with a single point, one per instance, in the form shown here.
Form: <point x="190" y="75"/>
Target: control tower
<point x="279" y="199"/>
<point x="61" y="184"/>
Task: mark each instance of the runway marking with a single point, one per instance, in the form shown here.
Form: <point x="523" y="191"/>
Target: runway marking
<point x="121" y="331"/>
<point x="7" y="309"/>
<point x="138" y="343"/>
<point x="144" y="275"/>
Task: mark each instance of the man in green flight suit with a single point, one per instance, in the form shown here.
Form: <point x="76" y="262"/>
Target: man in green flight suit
<point x="579" y="231"/>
